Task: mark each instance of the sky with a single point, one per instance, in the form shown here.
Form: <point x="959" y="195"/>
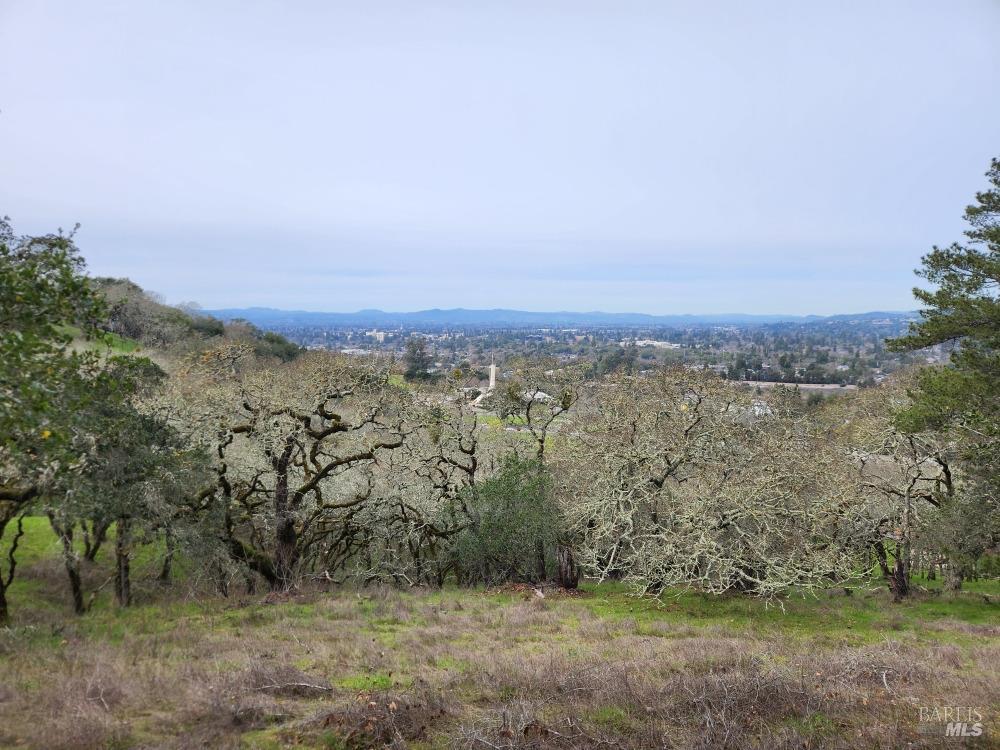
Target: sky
<point x="660" y="157"/>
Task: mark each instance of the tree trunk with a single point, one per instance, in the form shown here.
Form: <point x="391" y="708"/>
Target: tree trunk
<point x="221" y="579"/>
<point x="6" y="580"/>
<point x="898" y="575"/>
<point x="540" y="568"/>
<point x="256" y="561"/>
<point x="71" y="561"/>
<point x="168" y="558"/>
<point x="285" y="535"/>
<point x="93" y="538"/>
<point x="123" y="577"/>
<point x="569" y="572"/>
<point x="285" y="553"/>
<point x="899" y="580"/>
<point x="953" y="577"/>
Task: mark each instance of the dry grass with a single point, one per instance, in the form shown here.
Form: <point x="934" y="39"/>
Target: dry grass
<point x="465" y="669"/>
<point x="383" y="668"/>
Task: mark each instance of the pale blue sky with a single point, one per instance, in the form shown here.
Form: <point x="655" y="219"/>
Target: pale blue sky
<point x="662" y="157"/>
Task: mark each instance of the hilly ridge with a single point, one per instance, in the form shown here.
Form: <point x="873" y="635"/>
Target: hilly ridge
<point x="265" y="316"/>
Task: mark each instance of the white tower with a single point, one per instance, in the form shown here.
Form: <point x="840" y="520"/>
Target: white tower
<point x="493" y="375"/>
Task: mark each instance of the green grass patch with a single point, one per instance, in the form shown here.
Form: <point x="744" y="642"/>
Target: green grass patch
<point x="813" y="725"/>
<point x="118" y="344"/>
<point x="102" y="341"/>
<point x="610" y="717"/>
<point x="450" y="664"/>
<point x="364" y="682"/>
<point x="864" y="616"/>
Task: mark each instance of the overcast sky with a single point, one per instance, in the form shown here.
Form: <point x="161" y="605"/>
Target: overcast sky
<point x="663" y="157"/>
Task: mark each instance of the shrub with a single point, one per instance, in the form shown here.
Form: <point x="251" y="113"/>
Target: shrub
<point x="514" y="529"/>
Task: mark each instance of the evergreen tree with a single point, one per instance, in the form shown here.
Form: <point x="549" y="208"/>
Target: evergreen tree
<point x="417" y="359"/>
<point x="963" y="309"/>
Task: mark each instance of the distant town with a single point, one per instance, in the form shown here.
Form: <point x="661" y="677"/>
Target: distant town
<point x="816" y="353"/>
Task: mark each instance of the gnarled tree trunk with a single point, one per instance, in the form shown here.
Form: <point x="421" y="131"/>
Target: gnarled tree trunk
<point x="897" y="576"/>
<point x="71" y="561"/>
<point x="123" y="556"/>
<point x="954" y="576"/>
<point x="286" y="549"/>
<point x="568" y="571"/>
<point x="93" y="538"/>
<point x="168" y="557"/>
<point x="540" y="567"/>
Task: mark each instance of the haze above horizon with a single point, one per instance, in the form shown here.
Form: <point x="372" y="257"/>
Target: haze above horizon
<point x="658" y="157"/>
<point x="257" y="314"/>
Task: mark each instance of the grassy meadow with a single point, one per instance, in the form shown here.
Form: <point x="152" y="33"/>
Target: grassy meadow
<point x="339" y="667"/>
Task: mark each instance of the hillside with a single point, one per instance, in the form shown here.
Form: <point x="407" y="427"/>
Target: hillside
<point x="136" y="316"/>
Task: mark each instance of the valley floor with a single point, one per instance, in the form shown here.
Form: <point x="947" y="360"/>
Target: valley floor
<point x="349" y="668"/>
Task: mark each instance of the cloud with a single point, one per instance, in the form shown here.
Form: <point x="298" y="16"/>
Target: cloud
<point x="789" y="157"/>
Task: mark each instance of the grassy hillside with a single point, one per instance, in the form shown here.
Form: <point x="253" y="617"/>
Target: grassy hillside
<point x="111" y="343"/>
<point x="336" y="667"/>
<point x="137" y="317"/>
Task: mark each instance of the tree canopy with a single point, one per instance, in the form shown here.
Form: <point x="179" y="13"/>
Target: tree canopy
<point x="963" y="308"/>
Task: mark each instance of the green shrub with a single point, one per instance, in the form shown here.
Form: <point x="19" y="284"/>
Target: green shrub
<point x="514" y="529"/>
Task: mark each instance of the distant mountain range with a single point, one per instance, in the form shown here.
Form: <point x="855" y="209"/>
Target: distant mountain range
<point x="267" y="317"/>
